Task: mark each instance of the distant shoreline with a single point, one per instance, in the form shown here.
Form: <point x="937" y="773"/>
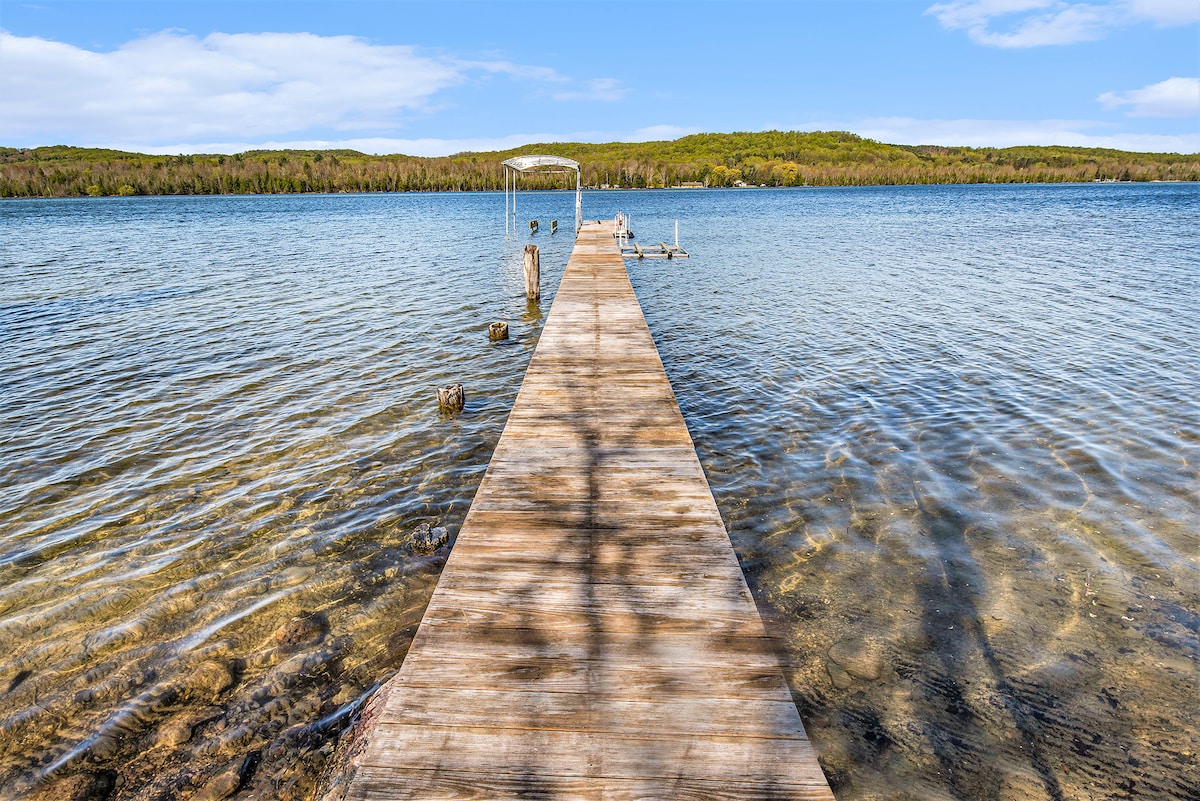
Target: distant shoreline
<point x="350" y="192"/>
<point x="750" y="160"/>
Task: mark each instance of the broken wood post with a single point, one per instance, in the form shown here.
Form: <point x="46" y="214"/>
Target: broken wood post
<point x="497" y="331"/>
<point x="554" y="226"/>
<point x="451" y="399"/>
<point x="533" y="273"/>
<point x="533" y="226"/>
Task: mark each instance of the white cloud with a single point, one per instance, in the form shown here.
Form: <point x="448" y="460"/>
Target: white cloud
<point x="608" y="89"/>
<point x="173" y="87"/>
<point x="893" y="130"/>
<point x="1174" y="97"/>
<point x="179" y="86"/>
<point x="377" y="145"/>
<point x="1166" y="12"/>
<point x="428" y="146"/>
<point x="968" y="14"/>
<point x="522" y="71"/>
<point x="1037" y="23"/>
<point x="1012" y="133"/>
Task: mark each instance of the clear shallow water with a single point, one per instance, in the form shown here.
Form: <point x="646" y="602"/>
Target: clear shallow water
<point x="218" y="429"/>
<point x="953" y="432"/>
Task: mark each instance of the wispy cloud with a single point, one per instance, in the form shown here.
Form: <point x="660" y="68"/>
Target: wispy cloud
<point x="1038" y="23"/>
<point x="1013" y="133"/>
<point x="376" y="145"/>
<point x="178" y="88"/>
<point x="894" y="130"/>
<point x="607" y="89"/>
<point x="1165" y="12"/>
<point x="428" y="146"/>
<point x="175" y="85"/>
<point x="522" y="71"/>
<point x="1174" y="97"/>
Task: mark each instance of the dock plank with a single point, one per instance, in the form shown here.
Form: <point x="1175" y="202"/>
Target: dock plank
<point x="592" y="635"/>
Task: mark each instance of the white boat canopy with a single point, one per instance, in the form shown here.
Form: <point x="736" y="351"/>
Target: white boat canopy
<point x="531" y="163"/>
<point x="526" y="164"/>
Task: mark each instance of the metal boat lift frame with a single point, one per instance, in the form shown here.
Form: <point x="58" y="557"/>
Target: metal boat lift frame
<point x="552" y="164"/>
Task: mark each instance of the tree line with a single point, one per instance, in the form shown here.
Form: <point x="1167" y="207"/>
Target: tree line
<point x="770" y="158"/>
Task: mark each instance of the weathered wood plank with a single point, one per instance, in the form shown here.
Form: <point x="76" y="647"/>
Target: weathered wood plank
<point x="591" y="711"/>
<point x="567" y="617"/>
<point x="634" y="681"/>
<point x="607" y="649"/>
<point x="467" y="786"/>
<point x="554" y="752"/>
<point x="592" y="635"/>
<point x="601" y="567"/>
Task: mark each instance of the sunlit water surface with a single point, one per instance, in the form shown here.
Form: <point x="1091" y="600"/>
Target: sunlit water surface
<point x="953" y="432"/>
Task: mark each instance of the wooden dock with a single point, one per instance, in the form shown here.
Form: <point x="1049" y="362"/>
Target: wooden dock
<point x="592" y="635"/>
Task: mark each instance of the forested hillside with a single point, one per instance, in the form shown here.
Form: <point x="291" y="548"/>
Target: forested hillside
<point x="771" y="158"/>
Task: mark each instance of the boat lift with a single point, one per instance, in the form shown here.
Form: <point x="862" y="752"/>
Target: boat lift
<point x="519" y="165"/>
<point x="632" y="250"/>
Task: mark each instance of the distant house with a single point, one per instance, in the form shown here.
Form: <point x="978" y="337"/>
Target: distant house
<point x="689" y="185"/>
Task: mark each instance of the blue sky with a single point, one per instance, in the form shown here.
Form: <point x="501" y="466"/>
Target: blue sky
<point x="442" y="76"/>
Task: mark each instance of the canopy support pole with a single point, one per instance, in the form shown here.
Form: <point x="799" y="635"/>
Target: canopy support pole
<point x="517" y="165"/>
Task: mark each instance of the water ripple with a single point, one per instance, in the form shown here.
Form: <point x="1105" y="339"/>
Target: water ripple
<point x="952" y="432"/>
<point x="218" y="428"/>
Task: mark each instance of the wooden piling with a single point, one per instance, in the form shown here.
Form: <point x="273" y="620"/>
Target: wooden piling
<point x="533" y="273"/>
<point x="497" y="331"/>
<point x="451" y="398"/>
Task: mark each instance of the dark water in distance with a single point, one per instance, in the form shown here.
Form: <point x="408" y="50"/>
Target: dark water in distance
<point x="953" y="431"/>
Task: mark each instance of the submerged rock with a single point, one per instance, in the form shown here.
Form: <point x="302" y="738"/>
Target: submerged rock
<point x="862" y="659"/>
<point x="97" y="786"/>
<point x="840" y="678"/>
<point x="208" y="680"/>
<point x="179" y="729"/>
<point x="223" y="785"/>
<point x="426" y="540"/>
<point x="306" y="627"/>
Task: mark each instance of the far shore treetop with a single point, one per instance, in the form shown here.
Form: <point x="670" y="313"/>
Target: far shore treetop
<point x="771" y="159"/>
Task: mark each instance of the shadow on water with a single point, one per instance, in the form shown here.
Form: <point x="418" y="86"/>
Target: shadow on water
<point x="945" y="430"/>
<point x="950" y="620"/>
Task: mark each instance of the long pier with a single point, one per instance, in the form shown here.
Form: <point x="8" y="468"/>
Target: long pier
<point x="592" y="635"/>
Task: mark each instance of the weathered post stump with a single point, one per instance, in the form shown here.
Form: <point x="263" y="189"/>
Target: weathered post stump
<point x="497" y="331"/>
<point x="533" y="227"/>
<point x="554" y="226"/>
<point x="451" y="398"/>
<point x="533" y="273"/>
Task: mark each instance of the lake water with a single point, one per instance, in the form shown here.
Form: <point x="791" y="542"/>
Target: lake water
<point x="953" y="431"/>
